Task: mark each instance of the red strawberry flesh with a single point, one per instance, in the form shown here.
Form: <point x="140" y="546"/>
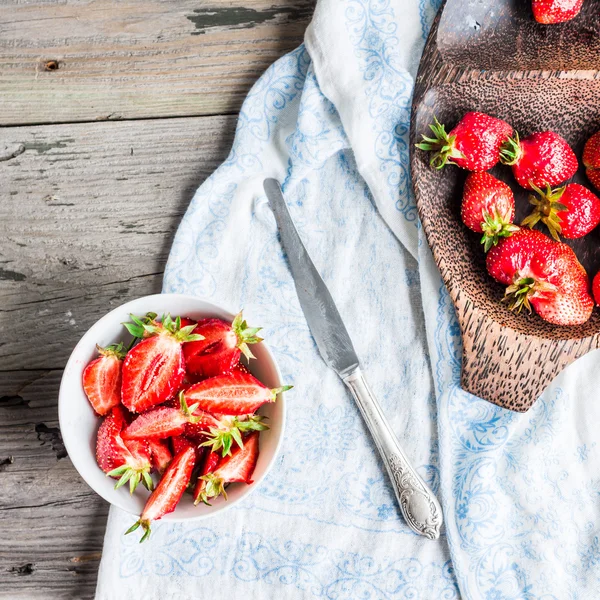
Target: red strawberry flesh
<point x="119" y="458"/>
<point x="161" y="454"/>
<point x="160" y="423"/>
<point x="167" y="494"/>
<point x="102" y="382"/>
<point x="237" y="467"/>
<point x="232" y="394"/>
<point x="152" y="372"/>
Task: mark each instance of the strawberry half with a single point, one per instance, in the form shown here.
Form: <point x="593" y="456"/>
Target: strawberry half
<point x="488" y="207"/>
<point x="235" y="468"/>
<point x="130" y="462"/>
<point x="543" y="275"/>
<point x="591" y="159"/>
<point x="102" y="379"/>
<point x="209" y="464"/>
<point x="232" y="394"/>
<point x="474" y="144"/>
<point x="180" y="443"/>
<point x="555" y="11"/>
<point x="167" y="494"/>
<point x="572" y="210"/>
<point x="161" y="454"/>
<point x="166" y="421"/>
<point x="230" y="429"/>
<point x="540" y="159"/>
<point x="154" y="369"/>
<point x="220" y="350"/>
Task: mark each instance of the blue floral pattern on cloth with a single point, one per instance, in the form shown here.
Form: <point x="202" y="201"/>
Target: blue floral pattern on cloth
<point x="373" y="32"/>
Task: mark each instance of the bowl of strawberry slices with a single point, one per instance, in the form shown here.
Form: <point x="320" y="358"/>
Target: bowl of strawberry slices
<point x="172" y="408"/>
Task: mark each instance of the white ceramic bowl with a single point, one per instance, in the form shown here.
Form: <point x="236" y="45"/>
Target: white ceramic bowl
<point x="79" y="424"/>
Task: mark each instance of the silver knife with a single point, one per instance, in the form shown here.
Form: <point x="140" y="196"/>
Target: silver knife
<point x="417" y="502"/>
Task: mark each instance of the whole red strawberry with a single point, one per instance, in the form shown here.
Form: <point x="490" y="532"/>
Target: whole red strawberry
<point x="596" y="287"/>
<point x="153" y="370"/>
<point x="555" y="11"/>
<point x="102" y="379"/>
<point x="591" y="159"/>
<point x="474" y="144"/>
<point x="488" y="207"/>
<point x="572" y="210"/>
<point x="167" y="494"/>
<point x="128" y="461"/>
<point x="220" y="350"/>
<point x="540" y="159"/>
<point x="543" y="275"/>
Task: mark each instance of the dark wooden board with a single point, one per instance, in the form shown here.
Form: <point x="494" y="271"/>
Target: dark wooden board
<point x="508" y="358"/>
<point x="503" y="36"/>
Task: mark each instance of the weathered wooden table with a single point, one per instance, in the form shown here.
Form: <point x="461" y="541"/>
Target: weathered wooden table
<point x="111" y="113"/>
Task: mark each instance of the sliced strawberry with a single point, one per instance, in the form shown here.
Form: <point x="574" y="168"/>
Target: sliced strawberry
<point x="186" y="322"/>
<point x="159" y="423"/>
<point x="153" y="371"/>
<point x="235" y="468"/>
<point x="167" y="494"/>
<point x="102" y="379"/>
<point x="166" y="421"/>
<point x="219" y="352"/>
<point x="230" y="429"/>
<point x="129" y="462"/>
<point x="232" y="394"/>
<point x="161" y="454"/>
<point x="180" y="442"/>
<point x="209" y="464"/>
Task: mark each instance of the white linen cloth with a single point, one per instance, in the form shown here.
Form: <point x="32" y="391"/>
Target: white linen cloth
<point x="520" y="492"/>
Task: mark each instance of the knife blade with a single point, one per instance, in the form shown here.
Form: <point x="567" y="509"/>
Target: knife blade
<point x="417" y="502"/>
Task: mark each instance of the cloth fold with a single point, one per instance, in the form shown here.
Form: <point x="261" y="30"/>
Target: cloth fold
<point x="520" y="493"/>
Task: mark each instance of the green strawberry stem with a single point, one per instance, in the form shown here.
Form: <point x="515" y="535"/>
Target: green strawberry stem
<point x="166" y="326"/>
<point x="494" y="228"/>
<point x="133" y="476"/>
<point x="230" y="430"/>
<point x="112" y="350"/>
<point x="510" y="151"/>
<point x="214" y="486"/>
<point x="546" y="206"/>
<point x="245" y="335"/>
<point x="518" y="294"/>
<point x="145" y="526"/>
<point x="276" y="391"/>
<point x="442" y="146"/>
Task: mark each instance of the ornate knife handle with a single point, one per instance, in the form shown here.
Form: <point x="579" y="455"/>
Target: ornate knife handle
<point x="417" y="502"/>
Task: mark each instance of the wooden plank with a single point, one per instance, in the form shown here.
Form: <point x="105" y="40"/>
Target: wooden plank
<point x="51" y="523"/>
<point x="65" y="61"/>
<point x="87" y="219"/>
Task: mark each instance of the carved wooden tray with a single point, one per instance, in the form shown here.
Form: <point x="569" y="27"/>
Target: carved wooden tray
<point x="508" y="359"/>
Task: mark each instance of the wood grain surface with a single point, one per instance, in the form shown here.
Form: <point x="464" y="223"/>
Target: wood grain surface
<point x="65" y="61"/>
<point x="88" y="211"/>
<point x="508" y="358"/>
